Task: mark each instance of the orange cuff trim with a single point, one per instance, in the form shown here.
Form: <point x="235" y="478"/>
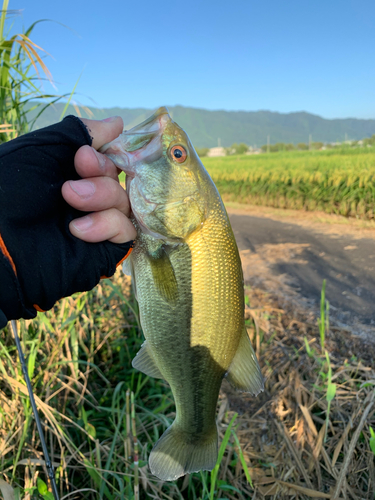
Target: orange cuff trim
<point x="118" y="263"/>
<point x="4" y="249"/>
<point x="38" y="308"/>
<point x="126" y="256"/>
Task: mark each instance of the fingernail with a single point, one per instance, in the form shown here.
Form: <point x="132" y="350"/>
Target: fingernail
<point x="101" y="159"/>
<point x="110" y="119"/>
<point x="83" y="224"/>
<point x="84" y="189"/>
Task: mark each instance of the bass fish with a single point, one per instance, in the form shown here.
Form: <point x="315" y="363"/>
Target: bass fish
<point x="188" y="281"/>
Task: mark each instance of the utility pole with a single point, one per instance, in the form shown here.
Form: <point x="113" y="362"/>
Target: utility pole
<point x="268" y="143"/>
<point x="310" y="141"/>
<point x="219" y="142"/>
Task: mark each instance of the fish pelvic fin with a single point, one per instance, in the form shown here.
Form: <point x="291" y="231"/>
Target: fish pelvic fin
<point x="178" y="453"/>
<point x="145" y="363"/>
<point x="244" y="372"/>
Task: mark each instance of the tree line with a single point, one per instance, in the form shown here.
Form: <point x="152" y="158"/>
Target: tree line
<point x="242" y="148"/>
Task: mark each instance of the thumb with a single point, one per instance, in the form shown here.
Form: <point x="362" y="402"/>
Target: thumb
<point x="104" y="131"/>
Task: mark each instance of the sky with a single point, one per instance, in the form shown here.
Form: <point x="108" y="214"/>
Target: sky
<point x="283" y="56"/>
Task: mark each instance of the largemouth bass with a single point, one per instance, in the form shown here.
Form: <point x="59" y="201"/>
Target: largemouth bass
<point x="187" y="276"/>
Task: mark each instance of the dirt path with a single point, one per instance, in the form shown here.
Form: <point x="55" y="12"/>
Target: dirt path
<point x="289" y="253"/>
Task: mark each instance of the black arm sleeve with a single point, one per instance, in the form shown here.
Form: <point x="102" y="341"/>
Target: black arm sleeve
<point x="40" y="260"/>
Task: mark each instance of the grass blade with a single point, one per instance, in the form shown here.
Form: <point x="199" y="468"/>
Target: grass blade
<point x="222" y="448"/>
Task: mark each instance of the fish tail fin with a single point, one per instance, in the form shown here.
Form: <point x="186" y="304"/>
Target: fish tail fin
<point x="178" y="452"/>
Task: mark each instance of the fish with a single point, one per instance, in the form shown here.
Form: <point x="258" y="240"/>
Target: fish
<point x="187" y="277"/>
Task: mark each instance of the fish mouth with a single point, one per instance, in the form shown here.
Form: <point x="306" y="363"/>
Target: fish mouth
<point x="140" y="143"/>
<point x="151" y="124"/>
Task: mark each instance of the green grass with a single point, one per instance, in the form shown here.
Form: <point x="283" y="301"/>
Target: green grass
<point x="101" y="417"/>
<point x="79" y="359"/>
<point x="336" y="181"/>
<point x="22" y="71"/>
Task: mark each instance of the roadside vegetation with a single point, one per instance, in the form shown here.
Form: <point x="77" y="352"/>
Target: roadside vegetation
<point x="101" y="417"/>
<point x="309" y="435"/>
<point x="339" y="181"/>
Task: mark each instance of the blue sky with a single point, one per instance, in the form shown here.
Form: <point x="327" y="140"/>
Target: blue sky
<point x="277" y="55"/>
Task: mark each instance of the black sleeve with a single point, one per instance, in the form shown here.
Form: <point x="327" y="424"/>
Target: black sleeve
<point x="40" y="260"/>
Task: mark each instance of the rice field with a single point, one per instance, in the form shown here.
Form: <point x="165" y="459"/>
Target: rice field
<point x="335" y="181"/>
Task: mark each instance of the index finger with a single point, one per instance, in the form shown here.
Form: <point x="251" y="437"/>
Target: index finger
<point x="103" y="131"/>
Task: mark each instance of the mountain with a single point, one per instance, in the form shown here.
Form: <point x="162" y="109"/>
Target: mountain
<point x="251" y="127"/>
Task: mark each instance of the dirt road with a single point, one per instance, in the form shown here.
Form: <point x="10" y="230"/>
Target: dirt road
<point x="290" y="253"/>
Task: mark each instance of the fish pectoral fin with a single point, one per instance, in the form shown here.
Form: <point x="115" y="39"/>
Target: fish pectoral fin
<point x="244" y="372"/>
<point x="164" y="276"/>
<point x="127" y="267"/>
<point x="145" y="363"/>
<point x="128" y="270"/>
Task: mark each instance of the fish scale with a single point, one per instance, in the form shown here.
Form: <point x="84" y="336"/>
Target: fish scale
<point x="217" y="287"/>
<point x="188" y="280"/>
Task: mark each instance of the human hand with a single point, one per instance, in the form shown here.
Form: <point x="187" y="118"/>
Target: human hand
<point x="41" y="260"/>
<point x="100" y="191"/>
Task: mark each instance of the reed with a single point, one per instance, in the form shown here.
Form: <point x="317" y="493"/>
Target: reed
<point x="22" y="75"/>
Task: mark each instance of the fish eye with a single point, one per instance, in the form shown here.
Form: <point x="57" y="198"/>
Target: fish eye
<point x="179" y="154"/>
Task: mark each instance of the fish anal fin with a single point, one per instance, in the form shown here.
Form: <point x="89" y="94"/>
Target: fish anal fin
<point x="164" y="276"/>
<point x="145" y="363"/>
<point x="244" y="372"/>
<point x="175" y="454"/>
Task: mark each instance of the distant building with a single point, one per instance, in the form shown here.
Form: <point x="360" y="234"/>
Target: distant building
<point x="216" y="152"/>
<point x="253" y="151"/>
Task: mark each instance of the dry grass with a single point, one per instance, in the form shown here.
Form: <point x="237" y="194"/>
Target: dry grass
<point x="79" y="360"/>
<point x="290" y="451"/>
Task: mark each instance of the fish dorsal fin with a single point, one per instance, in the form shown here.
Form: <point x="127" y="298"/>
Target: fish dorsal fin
<point x="244" y="372"/>
<point x="145" y="363"/>
<point x="164" y="276"/>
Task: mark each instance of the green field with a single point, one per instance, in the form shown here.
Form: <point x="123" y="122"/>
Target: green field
<point x="335" y="181"/>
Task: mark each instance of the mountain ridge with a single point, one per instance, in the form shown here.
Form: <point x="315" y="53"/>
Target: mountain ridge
<point x="207" y="127"/>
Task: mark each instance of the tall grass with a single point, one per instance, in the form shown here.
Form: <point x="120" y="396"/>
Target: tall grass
<point x="79" y="358"/>
<point x="101" y="417"/>
<point x="22" y="73"/>
<point x="335" y="181"/>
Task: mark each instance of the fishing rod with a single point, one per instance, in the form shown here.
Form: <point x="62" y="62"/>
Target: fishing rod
<point x="49" y="466"/>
